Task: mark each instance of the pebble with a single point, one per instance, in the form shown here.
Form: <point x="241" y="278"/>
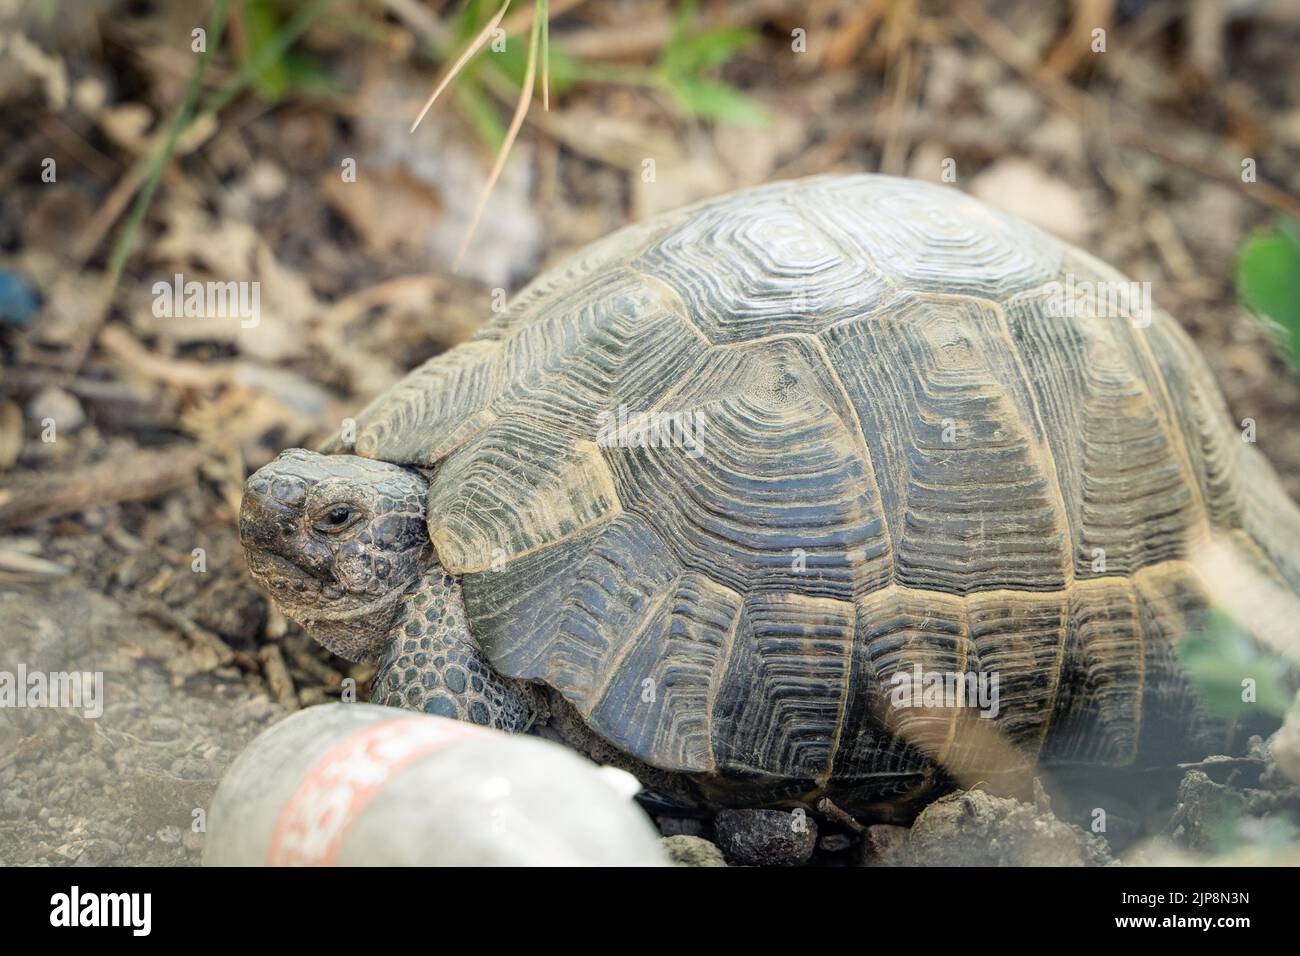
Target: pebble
<point x="765" y="837"/>
<point x="975" y="828"/>
<point x="686" y="850"/>
<point x="680" y="826"/>
<point x="882" y="843"/>
<point x="835" y="842"/>
<point x="55" y="403"/>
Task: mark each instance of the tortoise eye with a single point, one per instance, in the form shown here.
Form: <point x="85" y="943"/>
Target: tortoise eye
<point x="336" y="519"/>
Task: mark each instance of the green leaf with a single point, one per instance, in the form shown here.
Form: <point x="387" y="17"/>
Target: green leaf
<point x="1268" y="281"/>
<point x="685" y="16"/>
<point x="716" y="101"/>
<point x="482" y="114"/>
<point x="693" y="53"/>
<point x="513" y="63"/>
<point x="688" y="56"/>
<point x="285" y="72"/>
<point x="468" y="22"/>
<point x="260" y="26"/>
<point x="303" y="74"/>
<point x="1221" y="656"/>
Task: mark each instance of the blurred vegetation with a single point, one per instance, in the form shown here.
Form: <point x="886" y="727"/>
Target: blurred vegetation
<point x="508" y="67"/>
<point x="1268" y="282"/>
<point x="687" y="70"/>
<point x="287" y="71"/>
<point x="1233" y="830"/>
<point x="688" y="60"/>
<point x="1220" y="656"/>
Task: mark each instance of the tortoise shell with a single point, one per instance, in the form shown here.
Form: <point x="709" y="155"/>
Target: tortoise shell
<point x="887" y="446"/>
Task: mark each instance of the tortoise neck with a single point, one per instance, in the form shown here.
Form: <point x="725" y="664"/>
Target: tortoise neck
<point x="432" y="663"/>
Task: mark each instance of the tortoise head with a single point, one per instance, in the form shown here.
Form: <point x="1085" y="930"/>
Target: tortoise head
<point x="338" y="541"/>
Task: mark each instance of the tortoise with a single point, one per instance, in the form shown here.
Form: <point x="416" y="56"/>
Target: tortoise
<point x="703" y="499"/>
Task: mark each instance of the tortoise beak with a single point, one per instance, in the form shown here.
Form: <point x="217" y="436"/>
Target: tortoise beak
<point x="265" y="521"/>
<point x="272" y="533"/>
<point x="277" y="550"/>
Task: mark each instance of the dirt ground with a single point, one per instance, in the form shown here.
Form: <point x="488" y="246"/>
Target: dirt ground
<point x="125" y="435"/>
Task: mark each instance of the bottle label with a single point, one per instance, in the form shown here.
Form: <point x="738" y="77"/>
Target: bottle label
<point x="313" y="823"/>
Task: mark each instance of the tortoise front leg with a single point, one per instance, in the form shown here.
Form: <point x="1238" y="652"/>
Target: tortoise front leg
<point x="432" y="664"/>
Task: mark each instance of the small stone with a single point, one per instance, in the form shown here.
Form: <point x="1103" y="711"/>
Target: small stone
<point x="1015" y="105"/>
<point x="1205" y="810"/>
<point x="884" y="844"/>
<point x="55" y="403"/>
<point x="89" y="95"/>
<point x="265" y="179"/>
<point x="766" y="837"/>
<point x="834" y="843"/>
<point x="686" y="850"/>
<point x="680" y="826"/>
<point x="975" y="828"/>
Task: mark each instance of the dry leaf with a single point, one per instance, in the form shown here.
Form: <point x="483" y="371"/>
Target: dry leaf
<point x="389" y="208"/>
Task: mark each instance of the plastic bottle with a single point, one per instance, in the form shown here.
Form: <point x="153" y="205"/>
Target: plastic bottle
<point x="361" y="785"/>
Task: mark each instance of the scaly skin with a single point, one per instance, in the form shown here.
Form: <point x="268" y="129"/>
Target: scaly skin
<point x="431" y="663"/>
